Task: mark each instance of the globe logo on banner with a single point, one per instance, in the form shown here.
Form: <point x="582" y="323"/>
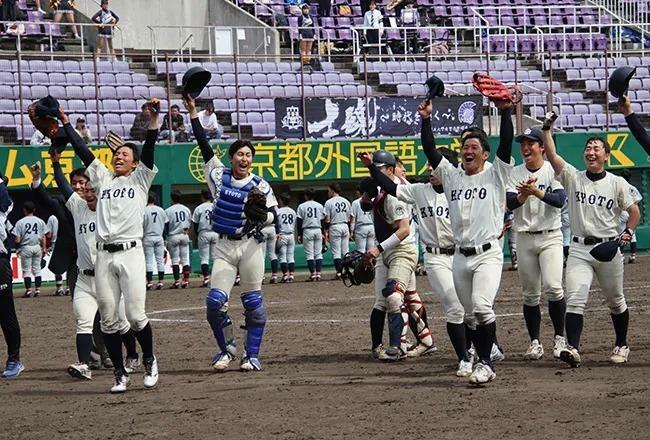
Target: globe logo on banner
<point x="466" y="112"/>
<point x="292" y="119"/>
<point x="195" y="162"/>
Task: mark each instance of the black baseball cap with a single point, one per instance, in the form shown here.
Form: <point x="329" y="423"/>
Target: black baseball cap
<point x="531" y="133"/>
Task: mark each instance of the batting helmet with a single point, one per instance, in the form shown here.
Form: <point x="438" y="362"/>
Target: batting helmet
<point x="436" y="87"/>
<point x="382" y="158"/>
<point x="620" y="79"/>
<point x="195" y="80"/>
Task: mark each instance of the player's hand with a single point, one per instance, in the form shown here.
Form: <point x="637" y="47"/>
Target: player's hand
<point x="528" y="188"/>
<point x="36" y="171"/>
<point x="625" y="105"/>
<point x="626" y="236"/>
<point x="154" y="107"/>
<point x="62" y="116"/>
<point x="425" y="109"/>
<point x="373" y="252"/>
<point x="365" y="158"/>
<point x="55" y="156"/>
<point x="189" y="103"/>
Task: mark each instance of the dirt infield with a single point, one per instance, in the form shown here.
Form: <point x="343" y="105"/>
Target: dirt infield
<point x="319" y="380"/>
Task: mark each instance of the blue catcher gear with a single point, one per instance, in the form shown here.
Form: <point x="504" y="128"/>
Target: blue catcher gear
<point x="228" y="211"/>
<point x="255" y="318"/>
<point x="220" y="322"/>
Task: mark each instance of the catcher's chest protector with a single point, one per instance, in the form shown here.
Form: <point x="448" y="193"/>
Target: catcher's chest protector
<point x="228" y="212"/>
<point x="383" y="229"/>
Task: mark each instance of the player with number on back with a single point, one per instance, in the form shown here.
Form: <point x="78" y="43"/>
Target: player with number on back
<point x="596" y="200"/>
<point x="244" y="204"/>
<point x="270" y="233"/>
<point x="178" y="242"/>
<point x="286" y="241"/>
<point x="155" y="230"/>
<point x="206" y="237"/>
<point x="310" y="218"/>
<point x="337" y="225"/>
<point x="29" y="233"/>
<point x="361" y="225"/>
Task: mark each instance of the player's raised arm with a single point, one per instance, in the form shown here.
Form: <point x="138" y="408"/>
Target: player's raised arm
<point x="59" y="178"/>
<point x="147" y="154"/>
<point x="634" y="123"/>
<point x="80" y="147"/>
<point x="506" y="134"/>
<point x="383" y="180"/>
<point x="428" y="141"/>
<point x="549" y="146"/>
<point x="197" y="129"/>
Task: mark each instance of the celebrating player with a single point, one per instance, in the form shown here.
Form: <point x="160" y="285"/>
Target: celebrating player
<point x="536" y="199"/>
<point x="154" y="228"/>
<point x="596" y="200"/>
<point x="310" y="224"/>
<point x="244" y="204"/>
<point x="206" y="237"/>
<point x="286" y="242"/>
<point x="361" y="225"/>
<point x="120" y="265"/>
<point x="473" y="193"/>
<point x="337" y="225"/>
<point x="178" y="242"/>
<point x="30" y="243"/>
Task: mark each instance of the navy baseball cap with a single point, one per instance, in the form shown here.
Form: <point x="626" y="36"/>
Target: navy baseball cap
<point x="531" y="133"/>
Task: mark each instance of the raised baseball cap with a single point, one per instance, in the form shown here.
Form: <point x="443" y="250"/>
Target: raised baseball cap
<point x="531" y="133"/>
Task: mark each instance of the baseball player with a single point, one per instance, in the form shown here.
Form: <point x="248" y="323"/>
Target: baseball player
<point x="566" y="229"/>
<point x="634" y="123"/>
<point x="155" y="230"/>
<point x="509" y="232"/>
<point x="8" y="318"/>
<point x="337" y="225"/>
<point x="238" y="221"/>
<point x="596" y="200"/>
<point x="178" y="242"/>
<point x="30" y="242"/>
<point x="395" y="265"/>
<point x="286" y="242"/>
<point x="206" y="237"/>
<point x="120" y="264"/>
<point x="536" y="199"/>
<point x="361" y="225"/>
<point x="474" y="192"/>
<point x="52" y="230"/>
<point x="624" y="217"/>
<point x="435" y="228"/>
<point x="270" y="233"/>
<point x="310" y="224"/>
<point x="84" y="302"/>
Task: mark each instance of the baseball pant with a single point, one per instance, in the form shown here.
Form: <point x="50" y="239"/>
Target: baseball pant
<point x="339" y="236"/>
<point x="179" y="249"/>
<point x="312" y="240"/>
<point x="30" y="260"/>
<point x="8" y="318"/>
<point x="269" y="240"/>
<point x="207" y="246"/>
<point x="154" y="253"/>
<point x="477" y="279"/>
<point x="120" y="274"/>
<point x="441" y="278"/>
<point x="399" y="265"/>
<point x="85" y="306"/>
<point x="540" y="258"/>
<point x="243" y="256"/>
<point x="364" y="238"/>
<point x="286" y="246"/>
<point x="581" y="267"/>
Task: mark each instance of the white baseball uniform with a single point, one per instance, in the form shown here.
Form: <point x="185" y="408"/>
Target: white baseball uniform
<point x="53" y="229"/>
<point x="625" y="216"/>
<point x="539" y="238"/>
<point x="31" y="230"/>
<point x="364" y="230"/>
<point x="207" y="238"/>
<point x="178" y="242"/>
<point x="311" y="213"/>
<point x="121" y="202"/>
<point x="153" y="241"/>
<point x="337" y="213"/>
<point x="269" y="234"/>
<point x="286" y="243"/>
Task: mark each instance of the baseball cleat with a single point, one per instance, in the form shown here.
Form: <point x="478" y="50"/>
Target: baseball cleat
<point x="558" y="345"/>
<point x="37" y="292"/>
<point x="95" y="364"/>
<point x="237" y="280"/>
<point x="131" y="364"/>
<point x="291" y="279"/>
<point x="378" y="351"/>
<point x="482" y="374"/>
<point x="317" y="278"/>
<point x="221" y="361"/>
<point x="121" y="381"/>
<point x="160" y="285"/>
<point x="150" y="372"/>
<point x="184" y="284"/>
<point x="285" y="278"/>
<point x="28" y="293"/>
<point x="59" y="292"/>
<point x="535" y="351"/>
<point x="420" y="349"/>
<point x="311" y="278"/>
<point x="392" y="354"/>
<point x="337" y="276"/>
<point x="620" y="354"/>
<point x="464" y="369"/>
<point x="12" y="369"/>
<point x="80" y="371"/>
<point x="67" y="291"/>
<point x="149" y="286"/>
<point x="571" y="356"/>
<point x="175" y="285"/>
<point x="497" y="354"/>
<point x="106" y="361"/>
<point x="206" y="282"/>
<point x="273" y="280"/>
<point x="250" y="364"/>
<point x="472" y="355"/>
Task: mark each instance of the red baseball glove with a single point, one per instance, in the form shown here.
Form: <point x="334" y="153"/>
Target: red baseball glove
<point x="495" y="90"/>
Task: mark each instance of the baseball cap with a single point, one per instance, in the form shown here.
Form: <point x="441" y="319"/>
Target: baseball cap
<point x="531" y="133"/>
<point x="80" y="119"/>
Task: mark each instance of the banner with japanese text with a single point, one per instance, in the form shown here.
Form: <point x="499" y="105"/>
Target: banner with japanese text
<point x="330" y="118"/>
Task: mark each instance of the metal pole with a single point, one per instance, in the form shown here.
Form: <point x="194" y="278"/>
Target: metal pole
<point x="20" y="97"/>
<point x="487" y="70"/>
<point x="365" y="83"/>
<point x="169" y="97"/>
<point x="606" y="90"/>
<point x="549" y="97"/>
<point x="96" y="97"/>
<point x="234" y="56"/>
<point x="519" y="118"/>
<point x="302" y="98"/>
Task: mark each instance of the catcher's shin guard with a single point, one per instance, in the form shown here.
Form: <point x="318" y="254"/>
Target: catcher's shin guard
<point x="219" y="321"/>
<point x="418" y="313"/>
<point x="255" y="318"/>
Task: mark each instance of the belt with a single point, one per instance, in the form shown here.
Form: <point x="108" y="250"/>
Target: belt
<point x="116" y="247"/>
<point x="311" y="227"/>
<point x="440" y="251"/>
<point x="591" y="240"/>
<point x="469" y="251"/>
<point x="538" y="232"/>
<point x="88" y="272"/>
<point x="286" y="233"/>
<point x="233" y="237"/>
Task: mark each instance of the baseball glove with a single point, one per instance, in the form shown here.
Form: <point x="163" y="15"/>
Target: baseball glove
<point x="45" y="124"/>
<point x="364" y="271"/>
<point x="494" y="89"/>
<point x="255" y="206"/>
<point x="357" y="269"/>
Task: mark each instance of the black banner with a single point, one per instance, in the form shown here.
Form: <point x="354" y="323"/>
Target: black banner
<point x="386" y="116"/>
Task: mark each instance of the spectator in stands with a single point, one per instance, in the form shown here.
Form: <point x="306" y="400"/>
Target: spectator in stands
<point x="178" y="133"/>
<point x="39" y="139"/>
<point x="83" y="130"/>
<point x="65" y="8"/>
<point x="209" y="122"/>
<point x="9" y="12"/>
<point x="140" y="124"/>
<point x="38" y="7"/>
<point x="307" y="31"/>
<point x="411" y="18"/>
<point x="373" y="19"/>
<point x="105" y="19"/>
<point x="324" y="7"/>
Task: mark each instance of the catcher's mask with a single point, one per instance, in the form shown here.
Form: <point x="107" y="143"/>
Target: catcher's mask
<point x="357" y="269"/>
